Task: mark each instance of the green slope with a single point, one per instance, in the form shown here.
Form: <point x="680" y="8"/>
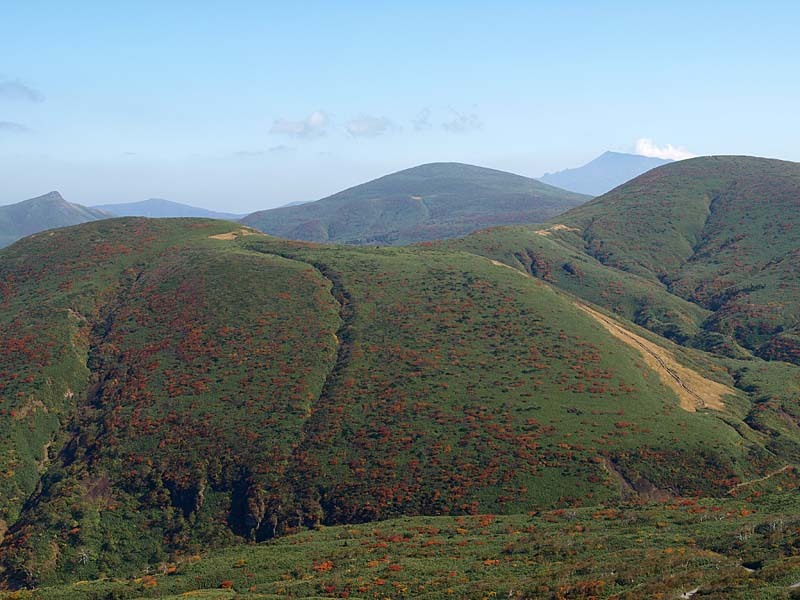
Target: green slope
<point x="703" y="252"/>
<point x="198" y="387"/>
<point x="723" y="232"/>
<point x="44" y="212"/>
<point x="744" y="548"/>
<point x="720" y="232"/>
<point x="433" y="201"/>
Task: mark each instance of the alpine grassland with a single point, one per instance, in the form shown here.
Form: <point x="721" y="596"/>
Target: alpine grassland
<point x="743" y="548"/>
<point x="601" y="406"/>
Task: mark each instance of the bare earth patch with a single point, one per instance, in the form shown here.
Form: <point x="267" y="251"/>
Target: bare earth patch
<point x="556" y="227"/>
<point x="499" y="264"/>
<point x="232" y="235"/>
<point x="693" y="390"/>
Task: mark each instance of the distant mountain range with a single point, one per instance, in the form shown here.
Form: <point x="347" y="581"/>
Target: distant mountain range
<point x="423" y="203"/>
<point x="604" y="173"/>
<point x="157" y="207"/>
<point x="51" y="211"/>
<point x="428" y="202"/>
<point x="44" y="212"/>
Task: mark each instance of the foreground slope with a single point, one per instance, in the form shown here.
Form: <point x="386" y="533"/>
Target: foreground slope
<point x="433" y="201"/>
<point x="41" y="213"/>
<point x="603" y="174"/>
<point x="185" y="384"/>
<point x="741" y="548"/>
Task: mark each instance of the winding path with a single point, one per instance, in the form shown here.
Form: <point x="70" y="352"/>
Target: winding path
<point x="783" y="469"/>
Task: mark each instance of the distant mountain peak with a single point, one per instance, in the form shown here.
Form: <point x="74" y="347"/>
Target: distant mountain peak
<point x="425" y="202"/>
<point x="53" y="196"/>
<point x="602" y="174"/>
<point x="48" y="211"/>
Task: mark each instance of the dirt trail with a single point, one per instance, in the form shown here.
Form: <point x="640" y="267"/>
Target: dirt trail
<point x="232" y="235"/>
<point x="693" y="390"/>
<point x="497" y="263"/>
<point x="556" y="227"/>
<point x="783" y="469"/>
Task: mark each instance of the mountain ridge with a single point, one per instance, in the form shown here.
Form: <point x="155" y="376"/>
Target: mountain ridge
<point x="160" y="208"/>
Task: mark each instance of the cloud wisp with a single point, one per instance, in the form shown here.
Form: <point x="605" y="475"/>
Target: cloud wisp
<point x="12" y="127"/>
<point x="368" y="126"/>
<point x="248" y="153"/>
<point x="319" y="124"/>
<point x="463" y="123"/>
<point x="646" y="147"/>
<point x="422" y="122"/>
<point x="313" y="126"/>
<point x="18" y="91"/>
<point x="279" y="149"/>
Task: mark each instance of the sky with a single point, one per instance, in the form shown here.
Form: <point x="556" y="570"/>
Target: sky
<point x="241" y="106"/>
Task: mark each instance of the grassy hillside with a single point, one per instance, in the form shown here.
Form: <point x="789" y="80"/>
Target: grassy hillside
<point x="41" y="213"/>
<point x="736" y="548"/>
<point x="552" y="256"/>
<point x="156" y="354"/>
<point x="440" y="200"/>
<point x="720" y="232"/>
<point x="186" y="384"/>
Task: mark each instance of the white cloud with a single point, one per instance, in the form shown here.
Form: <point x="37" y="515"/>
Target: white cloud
<point x="463" y="122"/>
<point x="16" y="90"/>
<point x="366" y="126"/>
<point x="313" y="126"/>
<point x="646" y="147"/>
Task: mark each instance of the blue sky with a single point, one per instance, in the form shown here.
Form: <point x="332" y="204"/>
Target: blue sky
<point x="248" y="105"/>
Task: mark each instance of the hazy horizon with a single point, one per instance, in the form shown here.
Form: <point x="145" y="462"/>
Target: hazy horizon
<point x="221" y="202"/>
<point x="252" y="106"/>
